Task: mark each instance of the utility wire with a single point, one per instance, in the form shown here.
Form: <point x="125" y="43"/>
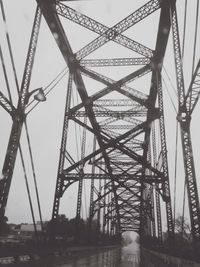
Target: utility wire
<point x="62" y="74"/>
<point x="47" y="92"/>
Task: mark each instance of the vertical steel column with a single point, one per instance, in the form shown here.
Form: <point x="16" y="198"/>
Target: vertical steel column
<point x="104" y="208"/>
<point x="184" y="119"/>
<point x="99" y="210"/>
<point x="91" y="208"/>
<point x="59" y="181"/>
<point x="151" y="198"/>
<point x="153" y="212"/>
<point x="18" y="118"/>
<point x="109" y="216"/>
<point x="80" y="186"/>
<point x="158" y="209"/>
<point x="166" y="187"/>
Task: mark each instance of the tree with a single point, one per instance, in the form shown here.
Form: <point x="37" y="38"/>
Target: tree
<point x="5" y="228"/>
<point x="182" y="228"/>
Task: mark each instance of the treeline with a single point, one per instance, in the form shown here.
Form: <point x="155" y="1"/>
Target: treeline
<point x="77" y="231"/>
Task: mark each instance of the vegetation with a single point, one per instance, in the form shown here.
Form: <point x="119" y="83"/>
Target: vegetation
<point x="5" y="228"/>
<point x="76" y="231"/>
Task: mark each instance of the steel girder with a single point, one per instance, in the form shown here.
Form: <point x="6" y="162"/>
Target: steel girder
<point x="113" y="147"/>
<point x="114" y="62"/>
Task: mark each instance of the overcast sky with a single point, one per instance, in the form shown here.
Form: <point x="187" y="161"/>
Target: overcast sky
<point x="45" y="121"/>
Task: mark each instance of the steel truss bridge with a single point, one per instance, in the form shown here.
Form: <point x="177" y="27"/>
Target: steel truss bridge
<point x="122" y="149"/>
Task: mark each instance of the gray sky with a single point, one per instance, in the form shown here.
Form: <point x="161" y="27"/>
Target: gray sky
<point x="45" y="121"/>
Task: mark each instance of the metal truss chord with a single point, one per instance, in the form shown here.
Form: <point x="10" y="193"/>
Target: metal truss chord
<point x="31" y="55"/>
<point x="110" y="113"/>
<point x="117" y="103"/>
<point x="80" y="185"/>
<point x="113" y="33"/>
<point x="134" y="94"/>
<point x="157" y="196"/>
<point x="194" y="91"/>
<point x="118" y="86"/>
<point x="5" y="103"/>
<point x="177" y="56"/>
<point x="100" y="29"/>
<point x="59" y="181"/>
<point x="164" y="158"/>
<point x="114" y="62"/>
<point x="135" y="177"/>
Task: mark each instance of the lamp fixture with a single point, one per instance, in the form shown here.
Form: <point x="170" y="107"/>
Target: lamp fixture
<point x="40" y="96"/>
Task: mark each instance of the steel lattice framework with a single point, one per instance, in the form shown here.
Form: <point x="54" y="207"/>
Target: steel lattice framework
<point x="117" y="154"/>
<point x="121" y="136"/>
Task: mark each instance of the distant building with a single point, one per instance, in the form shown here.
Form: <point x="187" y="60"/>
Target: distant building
<point x="29" y="228"/>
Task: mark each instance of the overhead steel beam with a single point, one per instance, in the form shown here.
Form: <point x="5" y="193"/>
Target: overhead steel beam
<point x="100" y="29"/>
<point x="119" y="28"/>
<point x="113" y="85"/>
<point x="114" y="62"/>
